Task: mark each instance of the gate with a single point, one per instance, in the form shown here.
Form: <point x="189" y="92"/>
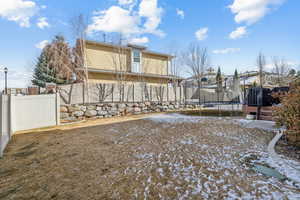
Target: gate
<point x="27" y="112"/>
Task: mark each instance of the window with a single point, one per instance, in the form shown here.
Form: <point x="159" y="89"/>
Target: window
<point x="136" y="61"/>
<point x="169" y="67"/>
<point x="136" y="56"/>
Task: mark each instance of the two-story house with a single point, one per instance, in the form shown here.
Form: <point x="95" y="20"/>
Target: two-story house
<point x="110" y="63"/>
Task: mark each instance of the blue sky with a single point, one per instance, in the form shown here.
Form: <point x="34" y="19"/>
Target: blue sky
<point x="234" y="31"/>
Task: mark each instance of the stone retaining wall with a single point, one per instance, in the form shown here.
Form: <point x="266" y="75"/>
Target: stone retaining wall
<point x="106" y="110"/>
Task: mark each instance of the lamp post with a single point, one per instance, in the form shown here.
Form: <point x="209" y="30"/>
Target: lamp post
<point x="5" y="76"/>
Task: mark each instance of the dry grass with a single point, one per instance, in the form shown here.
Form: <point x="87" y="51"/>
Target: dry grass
<point x="135" y="160"/>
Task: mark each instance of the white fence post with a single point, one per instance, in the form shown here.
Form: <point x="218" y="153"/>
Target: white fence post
<point x="11" y="116"/>
<point x="5" y="132"/>
<point x="57" y="101"/>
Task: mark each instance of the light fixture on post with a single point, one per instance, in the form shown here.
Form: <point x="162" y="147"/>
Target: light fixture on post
<point x="5" y="76"/>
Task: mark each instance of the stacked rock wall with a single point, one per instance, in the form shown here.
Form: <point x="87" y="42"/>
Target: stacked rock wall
<point x="106" y="110"/>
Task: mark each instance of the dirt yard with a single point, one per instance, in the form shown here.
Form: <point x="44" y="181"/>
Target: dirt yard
<point x="162" y="157"/>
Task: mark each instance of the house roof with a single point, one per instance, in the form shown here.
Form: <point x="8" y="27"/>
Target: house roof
<point x="129" y="47"/>
<point x="132" y="73"/>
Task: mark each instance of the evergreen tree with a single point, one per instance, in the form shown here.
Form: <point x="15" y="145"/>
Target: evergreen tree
<point x="254" y="84"/>
<point x="292" y="72"/>
<point x="219" y="79"/>
<point x="42" y="73"/>
<point x="236" y="75"/>
<point x="55" y="64"/>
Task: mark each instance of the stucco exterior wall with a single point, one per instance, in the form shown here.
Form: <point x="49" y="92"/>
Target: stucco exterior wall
<point x="154" y="64"/>
<point x="110" y="78"/>
<point x="110" y="58"/>
<point x="107" y="58"/>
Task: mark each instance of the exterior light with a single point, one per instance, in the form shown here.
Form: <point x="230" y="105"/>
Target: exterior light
<point x="5" y="73"/>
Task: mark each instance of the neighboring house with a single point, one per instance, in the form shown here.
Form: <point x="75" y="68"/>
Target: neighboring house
<point x="110" y="63"/>
<point x="208" y="80"/>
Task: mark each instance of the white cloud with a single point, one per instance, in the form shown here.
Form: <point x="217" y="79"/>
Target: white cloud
<point x="144" y="19"/>
<point x="19" y="11"/>
<point x="226" y="50"/>
<point x="201" y="34"/>
<point x="42" y="44"/>
<point x="139" y="41"/>
<point x="238" y="33"/>
<point x="251" y="11"/>
<point x="114" y="19"/>
<point x="125" y="2"/>
<point x="180" y="13"/>
<point x="150" y="10"/>
<point x="42" y="23"/>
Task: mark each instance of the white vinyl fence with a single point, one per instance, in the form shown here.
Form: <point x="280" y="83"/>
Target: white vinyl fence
<point x="4" y="122"/>
<point x="27" y="112"/>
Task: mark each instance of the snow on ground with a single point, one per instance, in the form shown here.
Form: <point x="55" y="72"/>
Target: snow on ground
<point x="187" y="159"/>
<point x="289" y="168"/>
<point x="176" y="118"/>
<point x="169" y="156"/>
<point x="260" y="124"/>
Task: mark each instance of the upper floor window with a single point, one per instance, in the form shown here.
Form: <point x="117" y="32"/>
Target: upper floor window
<point x="136" y="56"/>
<point x="136" y="61"/>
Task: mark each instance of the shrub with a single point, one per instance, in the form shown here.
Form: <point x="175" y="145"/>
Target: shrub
<point x="288" y="113"/>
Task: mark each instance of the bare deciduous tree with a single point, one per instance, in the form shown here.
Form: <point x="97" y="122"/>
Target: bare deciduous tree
<point x="59" y="54"/>
<point x="142" y="80"/>
<point x="197" y="60"/>
<point x="175" y="71"/>
<point x="120" y="62"/>
<point x="261" y="63"/>
<point x="103" y="91"/>
<point x="78" y="26"/>
<point x="281" y="69"/>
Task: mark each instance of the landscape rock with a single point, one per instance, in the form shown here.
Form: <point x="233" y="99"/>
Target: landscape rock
<point x="99" y="108"/>
<point x="83" y="108"/>
<point x="106" y="110"/>
<point x="113" y="113"/>
<point x="129" y="109"/>
<point x="121" y="105"/>
<point x="78" y="113"/>
<point x="73" y="108"/>
<point x="63" y="109"/>
<point x="102" y="112"/>
<point x="64" y="115"/>
<point x="137" y="109"/>
<point x="91" y="107"/>
<point x="135" y="105"/>
<point x="90" y="113"/>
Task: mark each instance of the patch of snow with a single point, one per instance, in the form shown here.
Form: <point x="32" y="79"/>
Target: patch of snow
<point x="144" y="156"/>
<point x="176" y="118"/>
<point x="260" y="124"/>
<point x="285" y="167"/>
<point x="187" y="141"/>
